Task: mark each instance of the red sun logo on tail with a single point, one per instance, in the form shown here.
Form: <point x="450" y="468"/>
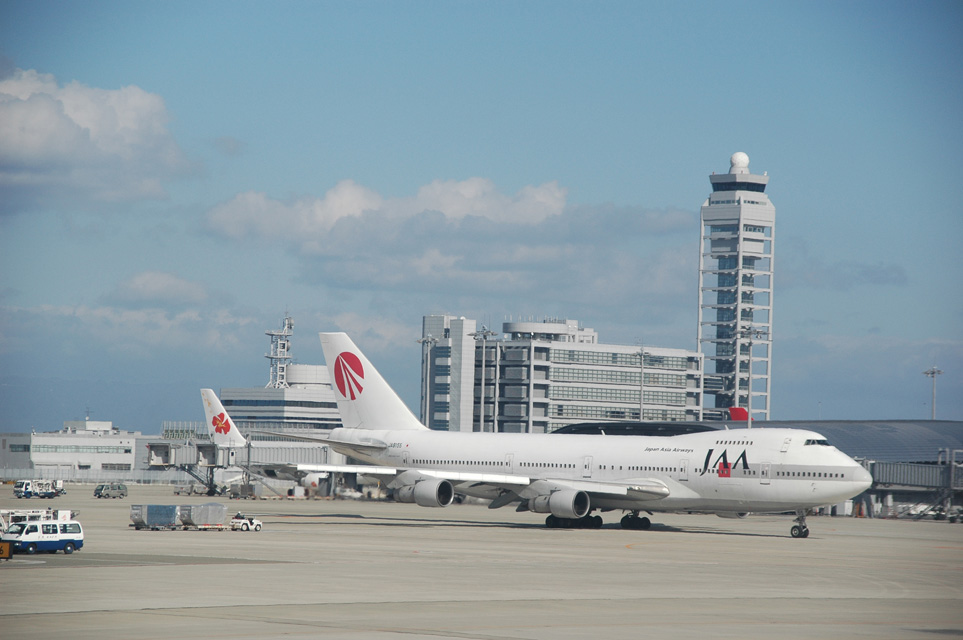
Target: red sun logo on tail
<point x="221" y="423"/>
<point x="349" y="374"/>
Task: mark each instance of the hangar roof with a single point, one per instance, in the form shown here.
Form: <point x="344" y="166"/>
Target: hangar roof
<point x="883" y="440"/>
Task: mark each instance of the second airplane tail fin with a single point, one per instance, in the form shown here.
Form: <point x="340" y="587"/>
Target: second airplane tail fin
<point x="365" y="399"/>
<point x="219" y="424"/>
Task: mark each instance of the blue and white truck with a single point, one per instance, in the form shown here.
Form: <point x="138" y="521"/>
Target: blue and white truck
<point x="38" y="488"/>
<point x="44" y="536"/>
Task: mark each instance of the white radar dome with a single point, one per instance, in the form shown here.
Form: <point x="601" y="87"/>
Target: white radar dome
<point x="739" y="163"/>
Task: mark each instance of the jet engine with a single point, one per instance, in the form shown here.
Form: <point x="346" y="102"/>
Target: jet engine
<point x="562" y="504"/>
<point x="313" y="480"/>
<point x="427" y="493"/>
<point x="732" y="514"/>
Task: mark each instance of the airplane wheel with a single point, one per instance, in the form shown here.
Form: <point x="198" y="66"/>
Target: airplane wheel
<point x="805" y="533"/>
<point x="644" y="523"/>
<point x="796" y="531"/>
<point x="597" y="522"/>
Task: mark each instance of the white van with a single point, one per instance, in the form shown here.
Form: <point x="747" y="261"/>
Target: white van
<point x="47" y="535"/>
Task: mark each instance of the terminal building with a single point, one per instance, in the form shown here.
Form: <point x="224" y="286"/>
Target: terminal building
<point x="735" y="291"/>
<point x="298" y="399"/>
<point x="538" y="376"/>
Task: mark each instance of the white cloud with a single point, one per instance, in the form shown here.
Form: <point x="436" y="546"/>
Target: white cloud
<point x="142" y="332"/>
<point x="480" y="197"/>
<point x="82" y="144"/>
<point x="306" y="221"/>
<point x="301" y="221"/>
<point x="159" y="288"/>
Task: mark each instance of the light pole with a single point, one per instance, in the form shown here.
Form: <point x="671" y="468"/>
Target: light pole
<point x="641" y="383"/>
<point x="749" y="333"/>
<point x="932" y="372"/>
<point x="484" y="333"/>
<point x="427" y="343"/>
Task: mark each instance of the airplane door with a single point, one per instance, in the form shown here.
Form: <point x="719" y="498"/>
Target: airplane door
<point x="404" y="458"/>
<point x="587" y="467"/>
<point x="509" y="463"/>
<point x="764" y="473"/>
<point x="684" y="470"/>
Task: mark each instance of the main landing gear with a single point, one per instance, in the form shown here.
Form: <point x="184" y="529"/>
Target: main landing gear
<point x="800" y="530"/>
<point x="585" y="522"/>
<point x="633" y="521"/>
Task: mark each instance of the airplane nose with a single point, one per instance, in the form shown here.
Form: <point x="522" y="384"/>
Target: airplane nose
<point x="863" y="478"/>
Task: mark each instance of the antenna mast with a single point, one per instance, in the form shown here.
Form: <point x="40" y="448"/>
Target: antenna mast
<point x="280" y="354"/>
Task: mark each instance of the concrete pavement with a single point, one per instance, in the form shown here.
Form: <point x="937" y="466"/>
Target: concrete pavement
<point x="372" y="571"/>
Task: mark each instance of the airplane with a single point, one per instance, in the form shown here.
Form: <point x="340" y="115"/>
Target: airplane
<point x="569" y="476"/>
<point x="225" y="435"/>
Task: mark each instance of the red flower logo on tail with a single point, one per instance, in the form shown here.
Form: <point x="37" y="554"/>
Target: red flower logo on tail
<point x="349" y="374"/>
<point x="221" y="423"/>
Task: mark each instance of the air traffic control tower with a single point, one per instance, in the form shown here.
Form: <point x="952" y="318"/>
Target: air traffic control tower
<point x="735" y="291"/>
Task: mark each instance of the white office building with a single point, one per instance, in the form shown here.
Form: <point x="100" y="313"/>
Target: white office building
<point x="735" y="291"/>
<point x="538" y="376"/>
<point x="298" y="398"/>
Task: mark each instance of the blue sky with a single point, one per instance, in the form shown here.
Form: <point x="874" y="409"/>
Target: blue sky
<point x="175" y="176"/>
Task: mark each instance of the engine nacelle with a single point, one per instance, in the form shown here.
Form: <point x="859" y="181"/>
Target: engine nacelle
<point x="313" y="480"/>
<point x="732" y="514"/>
<point x="562" y="504"/>
<point x="427" y="493"/>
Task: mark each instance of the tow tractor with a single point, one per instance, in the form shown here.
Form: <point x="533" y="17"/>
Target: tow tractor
<point x="245" y="523"/>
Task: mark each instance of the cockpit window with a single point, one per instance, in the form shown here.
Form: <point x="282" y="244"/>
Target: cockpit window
<point x="819" y="441"/>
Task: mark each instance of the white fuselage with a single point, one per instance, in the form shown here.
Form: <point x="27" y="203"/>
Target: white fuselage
<point x="717" y="471"/>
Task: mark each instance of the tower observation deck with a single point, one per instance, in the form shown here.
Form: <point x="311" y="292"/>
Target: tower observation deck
<point x="735" y="291"/>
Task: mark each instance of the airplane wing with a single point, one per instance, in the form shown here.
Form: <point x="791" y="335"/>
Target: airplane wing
<point x="502" y="488"/>
<point x="296" y="472"/>
<point x="508" y="488"/>
<point x="642" y="489"/>
<point x="362" y="445"/>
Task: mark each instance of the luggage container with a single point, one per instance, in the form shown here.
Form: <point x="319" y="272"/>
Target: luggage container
<point x="210" y="515"/>
<point x="154" y="516"/>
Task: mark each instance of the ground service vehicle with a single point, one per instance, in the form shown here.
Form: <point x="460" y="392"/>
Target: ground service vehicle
<point x="113" y="490"/>
<point x="12" y="516"/>
<point x="49" y="536"/>
<point x="245" y="523"/>
<point x="38" y="488"/>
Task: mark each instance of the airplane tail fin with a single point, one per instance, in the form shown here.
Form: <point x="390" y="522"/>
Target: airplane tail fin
<point x="738" y="414"/>
<point x="219" y="424"/>
<point x="365" y="399"/>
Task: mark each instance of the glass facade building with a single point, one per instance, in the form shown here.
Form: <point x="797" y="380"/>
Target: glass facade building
<point x="538" y="376"/>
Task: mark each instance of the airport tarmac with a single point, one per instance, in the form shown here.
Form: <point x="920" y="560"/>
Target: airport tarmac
<point x="380" y="571"/>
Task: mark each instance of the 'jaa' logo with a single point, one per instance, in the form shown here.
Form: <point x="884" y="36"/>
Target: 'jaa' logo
<point x="722" y="464"/>
<point x="348" y="375"/>
<point x="221" y="423"/>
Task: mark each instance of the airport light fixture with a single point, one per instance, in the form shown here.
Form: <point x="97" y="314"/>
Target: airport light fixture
<point x="932" y="372"/>
<point x="484" y="333"/>
<point x="427" y="343"/>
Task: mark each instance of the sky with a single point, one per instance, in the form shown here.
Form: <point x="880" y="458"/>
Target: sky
<point x="175" y="177"/>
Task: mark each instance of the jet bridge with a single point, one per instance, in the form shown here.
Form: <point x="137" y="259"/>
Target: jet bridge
<point x="937" y="485"/>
